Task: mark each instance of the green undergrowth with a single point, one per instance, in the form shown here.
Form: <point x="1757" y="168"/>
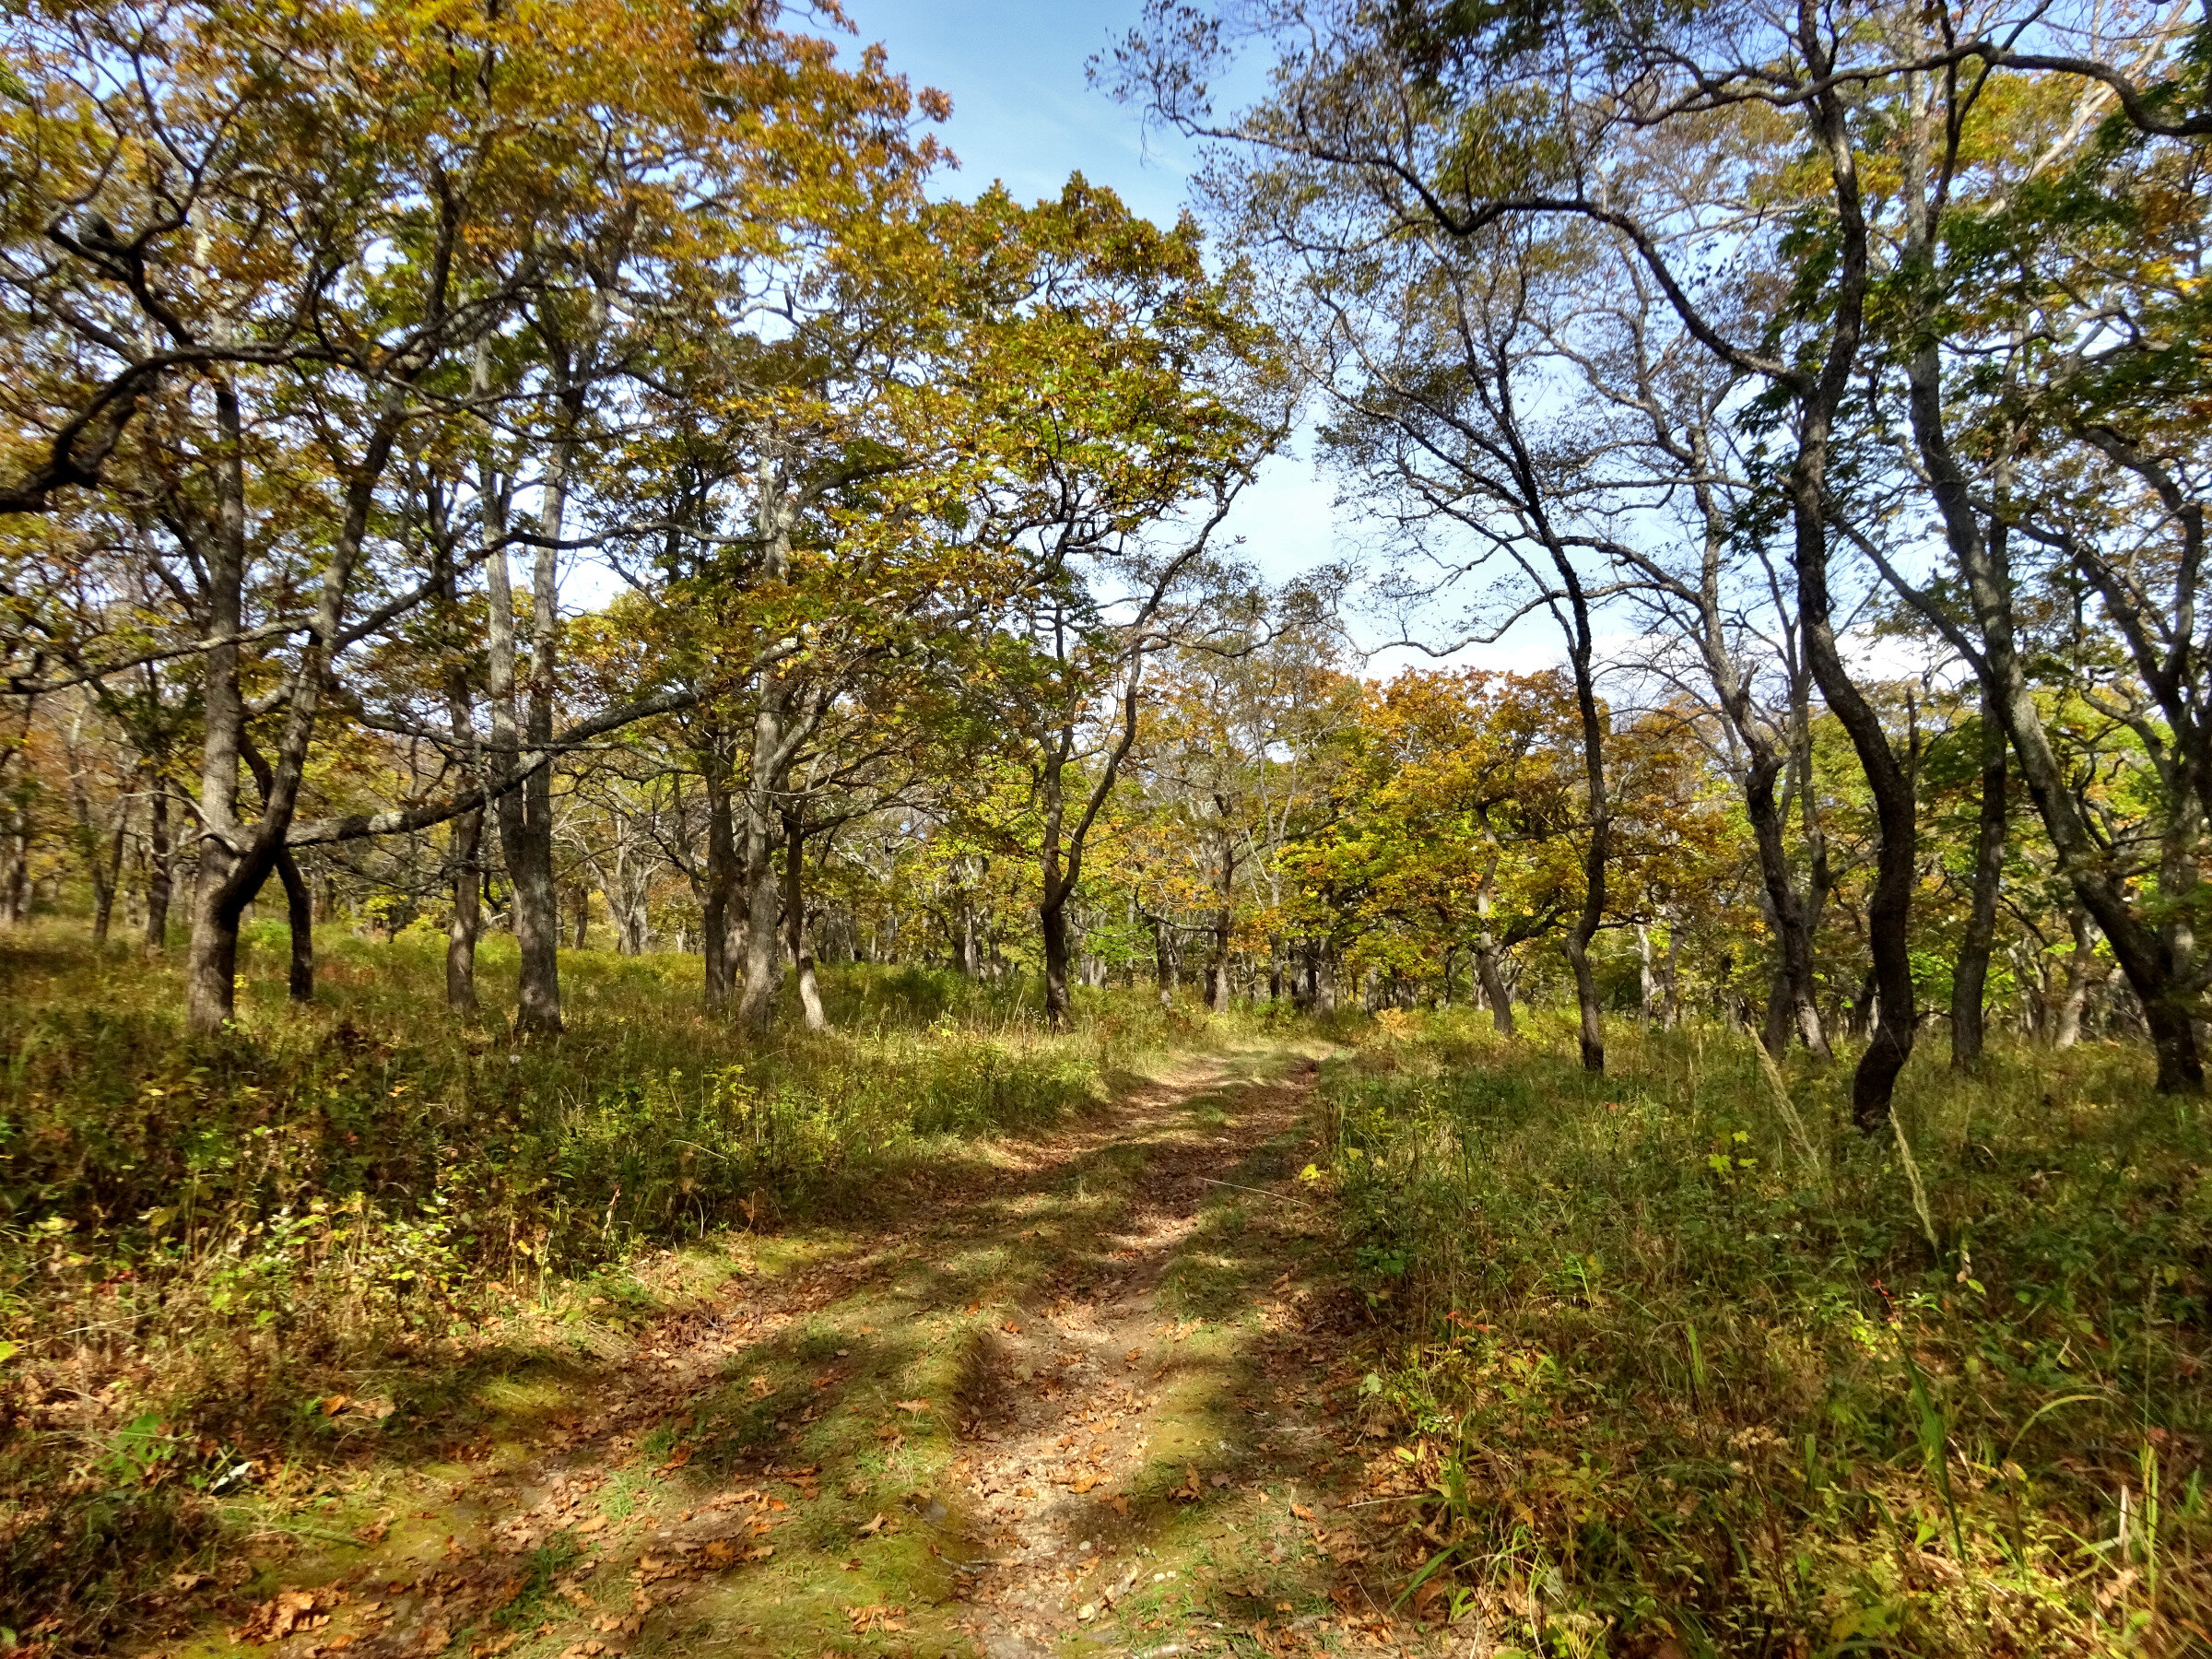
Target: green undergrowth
<point x="1684" y="1360"/>
<point x="193" y="1232"/>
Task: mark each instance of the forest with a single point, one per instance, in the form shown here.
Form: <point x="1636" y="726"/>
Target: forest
<point x="700" y="955"/>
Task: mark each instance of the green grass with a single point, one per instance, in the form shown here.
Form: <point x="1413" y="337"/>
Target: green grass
<point x="195" y="1236"/>
<point x="1676" y="1362"/>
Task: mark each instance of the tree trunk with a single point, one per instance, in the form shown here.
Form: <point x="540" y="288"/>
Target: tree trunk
<point x="2081" y="964"/>
<point x="211" y="957"/>
<point x="721" y="916"/>
<point x="524" y="815"/>
<point x="1493" y="984"/>
<point x="1051" y="919"/>
<point x="1970" y="976"/>
<point x="971" y="958"/>
<point x="1793" y="998"/>
<point x="159" y="869"/>
<point x="1596" y="857"/>
<point x="774" y="742"/>
<point x="300" y="919"/>
<point x="799" y="935"/>
<point x="1163" y="961"/>
<point x="1889" y="908"/>
<point x="763" y="950"/>
<point x="104" y="911"/>
<point x="465" y="875"/>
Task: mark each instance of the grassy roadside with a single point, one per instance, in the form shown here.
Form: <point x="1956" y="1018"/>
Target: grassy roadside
<point x="1686" y="1366"/>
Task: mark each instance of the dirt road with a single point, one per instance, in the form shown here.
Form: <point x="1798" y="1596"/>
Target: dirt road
<point x="1083" y="1393"/>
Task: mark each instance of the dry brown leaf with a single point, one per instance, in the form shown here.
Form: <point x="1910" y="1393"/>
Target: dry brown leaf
<point x="288" y="1613"/>
<point x="911" y="1405"/>
<point x="1301" y="1512"/>
<point x="678" y="1458"/>
<point x="334" y="1404"/>
<point x="871" y="1528"/>
<point x="594" y="1525"/>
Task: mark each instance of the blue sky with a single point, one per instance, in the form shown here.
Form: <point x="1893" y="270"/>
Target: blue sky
<point x="1022" y="108"/>
<point x="1024" y="111"/>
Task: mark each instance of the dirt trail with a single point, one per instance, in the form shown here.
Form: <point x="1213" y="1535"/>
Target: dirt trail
<point x="1073" y="1395"/>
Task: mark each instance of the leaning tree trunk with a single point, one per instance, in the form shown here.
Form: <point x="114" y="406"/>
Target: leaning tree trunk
<point x="1969" y="978"/>
<point x="1897" y="857"/>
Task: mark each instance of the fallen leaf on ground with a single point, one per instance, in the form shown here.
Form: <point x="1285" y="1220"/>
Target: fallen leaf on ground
<point x="914" y="1405"/>
<point x="287" y="1613"/>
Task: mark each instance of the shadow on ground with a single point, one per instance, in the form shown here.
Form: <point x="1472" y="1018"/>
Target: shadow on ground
<point x="1051" y="1390"/>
